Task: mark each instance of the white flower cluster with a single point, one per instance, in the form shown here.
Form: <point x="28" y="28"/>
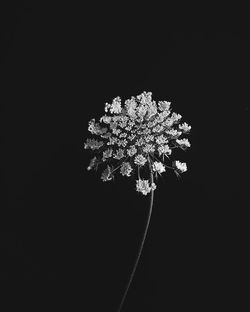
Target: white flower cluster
<point x="140" y="160"/>
<point x="93" y="144"/>
<point x="185" y="127"/>
<point x="181" y="167"/>
<point x="115" y="107"/>
<point x="183" y="143"/>
<point x="126" y="169"/>
<point x="135" y="134"/>
<point x="143" y="186"/>
<point x="158" y="167"/>
<point x="107" y="174"/>
<point x="92" y="163"/>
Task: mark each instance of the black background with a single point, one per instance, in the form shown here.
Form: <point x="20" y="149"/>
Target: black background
<point x="68" y="239"/>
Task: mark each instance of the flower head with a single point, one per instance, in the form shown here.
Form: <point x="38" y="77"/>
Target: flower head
<point x="134" y="135"/>
<point x="140" y="160"/>
<point x="107" y="174"/>
<point x="126" y="169"/>
<point x="158" y="167"/>
<point x="164" y="105"/>
<point x="183" y="143"/>
<point x="92" y="163"/>
<point x="185" y="127"/>
<point x="181" y="167"/>
<point x="143" y="186"/>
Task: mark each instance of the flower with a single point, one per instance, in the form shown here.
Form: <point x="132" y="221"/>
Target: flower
<point x="153" y="186"/>
<point x="161" y="139"/>
<point x="92" y="163"/>
<point x="106" y="175"/>
<point x="126" y="169"/>
<point x="130" y="106"/>
<point x="181" y="167"/>
<point x="116" y="106"/>
<point x="143" y="186"/>
<point x="152" y="110"/>
<point x="107" y="154"/>
<point x="158" y="128"/>
<point x="134" y="134"/>
<point x="132" y="150"/>
<point x="137" y="132"/>
<point x="119" y="154"/>
<point x="106" y="119"/>
<point x="93" y="144"/>
<point x="164" y="105"/>
<point x="140" y="160"/>
<point x="164" y="150"/>
<point x="173" y="133"/>
<point x="185" y="127"/>
<point x="145" y="98"/>
<point x="183" y="142"/>
<point x="176" y="117"/>
<point x="148" y="148"/>
<point x="158" y="167"/>
<point x="168" y="123"/>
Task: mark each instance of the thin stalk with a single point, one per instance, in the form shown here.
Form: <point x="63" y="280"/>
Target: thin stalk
<point x="142" y="242"/>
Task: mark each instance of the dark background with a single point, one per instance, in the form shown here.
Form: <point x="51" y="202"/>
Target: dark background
<point x="69" y="240"/>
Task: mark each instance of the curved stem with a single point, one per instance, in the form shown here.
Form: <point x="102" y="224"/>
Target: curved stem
<point x="142" y="242"/>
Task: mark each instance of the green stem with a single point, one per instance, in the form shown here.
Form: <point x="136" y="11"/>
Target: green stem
<point x="142" y="243"/>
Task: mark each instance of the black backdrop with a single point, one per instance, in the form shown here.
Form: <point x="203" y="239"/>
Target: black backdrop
<point x="67" y="238"/>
